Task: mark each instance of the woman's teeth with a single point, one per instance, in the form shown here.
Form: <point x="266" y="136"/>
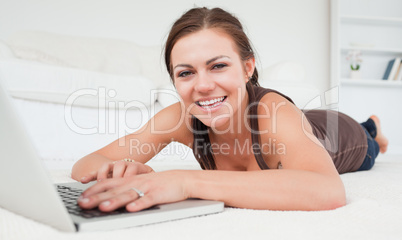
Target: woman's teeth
<point x="211" y="103"/>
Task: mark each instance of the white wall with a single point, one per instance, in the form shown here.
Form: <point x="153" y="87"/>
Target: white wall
<point x="279" y="29"/>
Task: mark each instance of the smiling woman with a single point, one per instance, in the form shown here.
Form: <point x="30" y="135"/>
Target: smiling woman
<point x="237" y="131"/>
<point x="225" y="76"/>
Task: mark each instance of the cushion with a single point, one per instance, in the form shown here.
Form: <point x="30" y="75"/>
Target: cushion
<point x="37" y="81"/>
<point x="102" y="55"/>
<point x="287" y="77"/>
<point x="305" y="96"/>
<point x="284" y="71"/>
<point x="113" y="56"/>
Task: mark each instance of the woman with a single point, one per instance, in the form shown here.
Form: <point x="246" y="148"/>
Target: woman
<point x="231" y="125"/>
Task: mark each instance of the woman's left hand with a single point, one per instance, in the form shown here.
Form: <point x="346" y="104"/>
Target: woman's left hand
<point x="162" y="187"/>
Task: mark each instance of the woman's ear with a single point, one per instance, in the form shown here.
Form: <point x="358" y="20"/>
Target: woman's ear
<point x="249" y="67"/>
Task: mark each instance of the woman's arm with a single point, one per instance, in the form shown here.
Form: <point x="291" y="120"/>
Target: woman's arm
<point x="268" y="189"/>
<point x="166" y="126"/>
<point x="284" y="189"/>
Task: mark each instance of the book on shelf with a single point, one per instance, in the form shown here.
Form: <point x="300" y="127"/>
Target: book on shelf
<point x="393" y="69"/>
<point x="398" y="76"/>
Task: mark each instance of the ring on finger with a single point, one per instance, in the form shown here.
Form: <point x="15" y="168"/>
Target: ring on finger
<point x="128" y="160"/>
<point x="139" y="192"/>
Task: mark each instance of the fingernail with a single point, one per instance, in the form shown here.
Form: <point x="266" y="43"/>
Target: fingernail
<point x="83" y="199"/>
<point x="105" y="203"/>
<point x="83" y="179"/>
<point x="100" y="179"/>
<point x="131" y="204"/>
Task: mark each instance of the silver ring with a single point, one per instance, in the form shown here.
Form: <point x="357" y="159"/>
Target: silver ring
<point x="139" y="192"/>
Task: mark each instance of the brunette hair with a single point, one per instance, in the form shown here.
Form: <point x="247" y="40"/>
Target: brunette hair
<point x="197" y="19"/>
<point x="192" y="21"/>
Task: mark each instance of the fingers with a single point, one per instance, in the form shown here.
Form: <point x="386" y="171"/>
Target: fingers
<point x="125" y="198"/>
<point x="103" y="186"/>
<point x="99" y="192"/>
<point x="109" y="195"/>
<point x="104" y="171"/>
<point x="88" y="178"/>
<point x="144" y="202"/>
<point x="115" y="169"/>
<point x="131" y="170"/>
<point x="119" y="168"/>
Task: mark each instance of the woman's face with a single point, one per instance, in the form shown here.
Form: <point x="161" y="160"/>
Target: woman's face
<point x="210" y="77"/>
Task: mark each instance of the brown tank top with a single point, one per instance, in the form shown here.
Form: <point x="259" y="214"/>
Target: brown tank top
<point x="343" y="137"/>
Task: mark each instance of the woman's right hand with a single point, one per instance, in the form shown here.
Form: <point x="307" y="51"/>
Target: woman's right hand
<point x="117" y="169"/>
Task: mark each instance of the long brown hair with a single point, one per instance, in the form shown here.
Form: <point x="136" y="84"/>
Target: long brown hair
<point x="192" y="21"/>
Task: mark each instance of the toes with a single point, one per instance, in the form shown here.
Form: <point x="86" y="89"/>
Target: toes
<point x="376" y="120"/>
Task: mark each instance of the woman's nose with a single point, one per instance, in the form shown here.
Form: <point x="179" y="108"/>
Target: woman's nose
<point x="204" y="83"/>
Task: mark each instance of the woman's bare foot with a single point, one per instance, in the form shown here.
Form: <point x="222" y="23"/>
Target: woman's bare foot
<point x="380" y="138"/>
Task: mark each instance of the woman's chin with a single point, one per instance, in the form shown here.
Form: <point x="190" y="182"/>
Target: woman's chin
<point x="219" y="124"/>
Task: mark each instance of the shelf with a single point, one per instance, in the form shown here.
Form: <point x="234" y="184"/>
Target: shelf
<point x="371" y="82"/>
<point x="374" y="50"/>
<point x="371" y="20"/>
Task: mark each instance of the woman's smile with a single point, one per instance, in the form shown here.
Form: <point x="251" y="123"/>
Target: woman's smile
<point x="212" y="104"/>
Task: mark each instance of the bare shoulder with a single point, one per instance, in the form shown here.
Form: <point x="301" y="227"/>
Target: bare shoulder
<point x="284" y="117"/>
<point x="281" y="123"/>
<point x="276" y="112"/>
<point x="278" y="118"/>
<point x="273" y="103"/>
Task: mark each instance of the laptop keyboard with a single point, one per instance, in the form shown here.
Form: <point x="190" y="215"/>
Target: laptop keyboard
<point x="70" y="195"/>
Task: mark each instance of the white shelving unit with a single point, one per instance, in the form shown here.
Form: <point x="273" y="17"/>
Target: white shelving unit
<point x="373" y="27"/>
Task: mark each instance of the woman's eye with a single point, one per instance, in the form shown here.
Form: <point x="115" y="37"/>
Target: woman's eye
<point x="219" y="66"/>
<point x="184" y="74"/>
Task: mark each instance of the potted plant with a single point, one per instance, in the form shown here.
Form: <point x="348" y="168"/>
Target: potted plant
<point x="354" y="57"/>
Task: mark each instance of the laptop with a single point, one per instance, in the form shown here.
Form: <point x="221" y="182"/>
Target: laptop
<point x="27" y="189"/>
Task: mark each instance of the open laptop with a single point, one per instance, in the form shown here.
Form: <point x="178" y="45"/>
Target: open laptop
<point x="26" y="188"/>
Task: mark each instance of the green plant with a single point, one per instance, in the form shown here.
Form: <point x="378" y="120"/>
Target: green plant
<point x="355" y="60"/>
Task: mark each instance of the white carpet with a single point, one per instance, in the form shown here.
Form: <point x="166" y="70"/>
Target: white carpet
<point x="373" y="211"/>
